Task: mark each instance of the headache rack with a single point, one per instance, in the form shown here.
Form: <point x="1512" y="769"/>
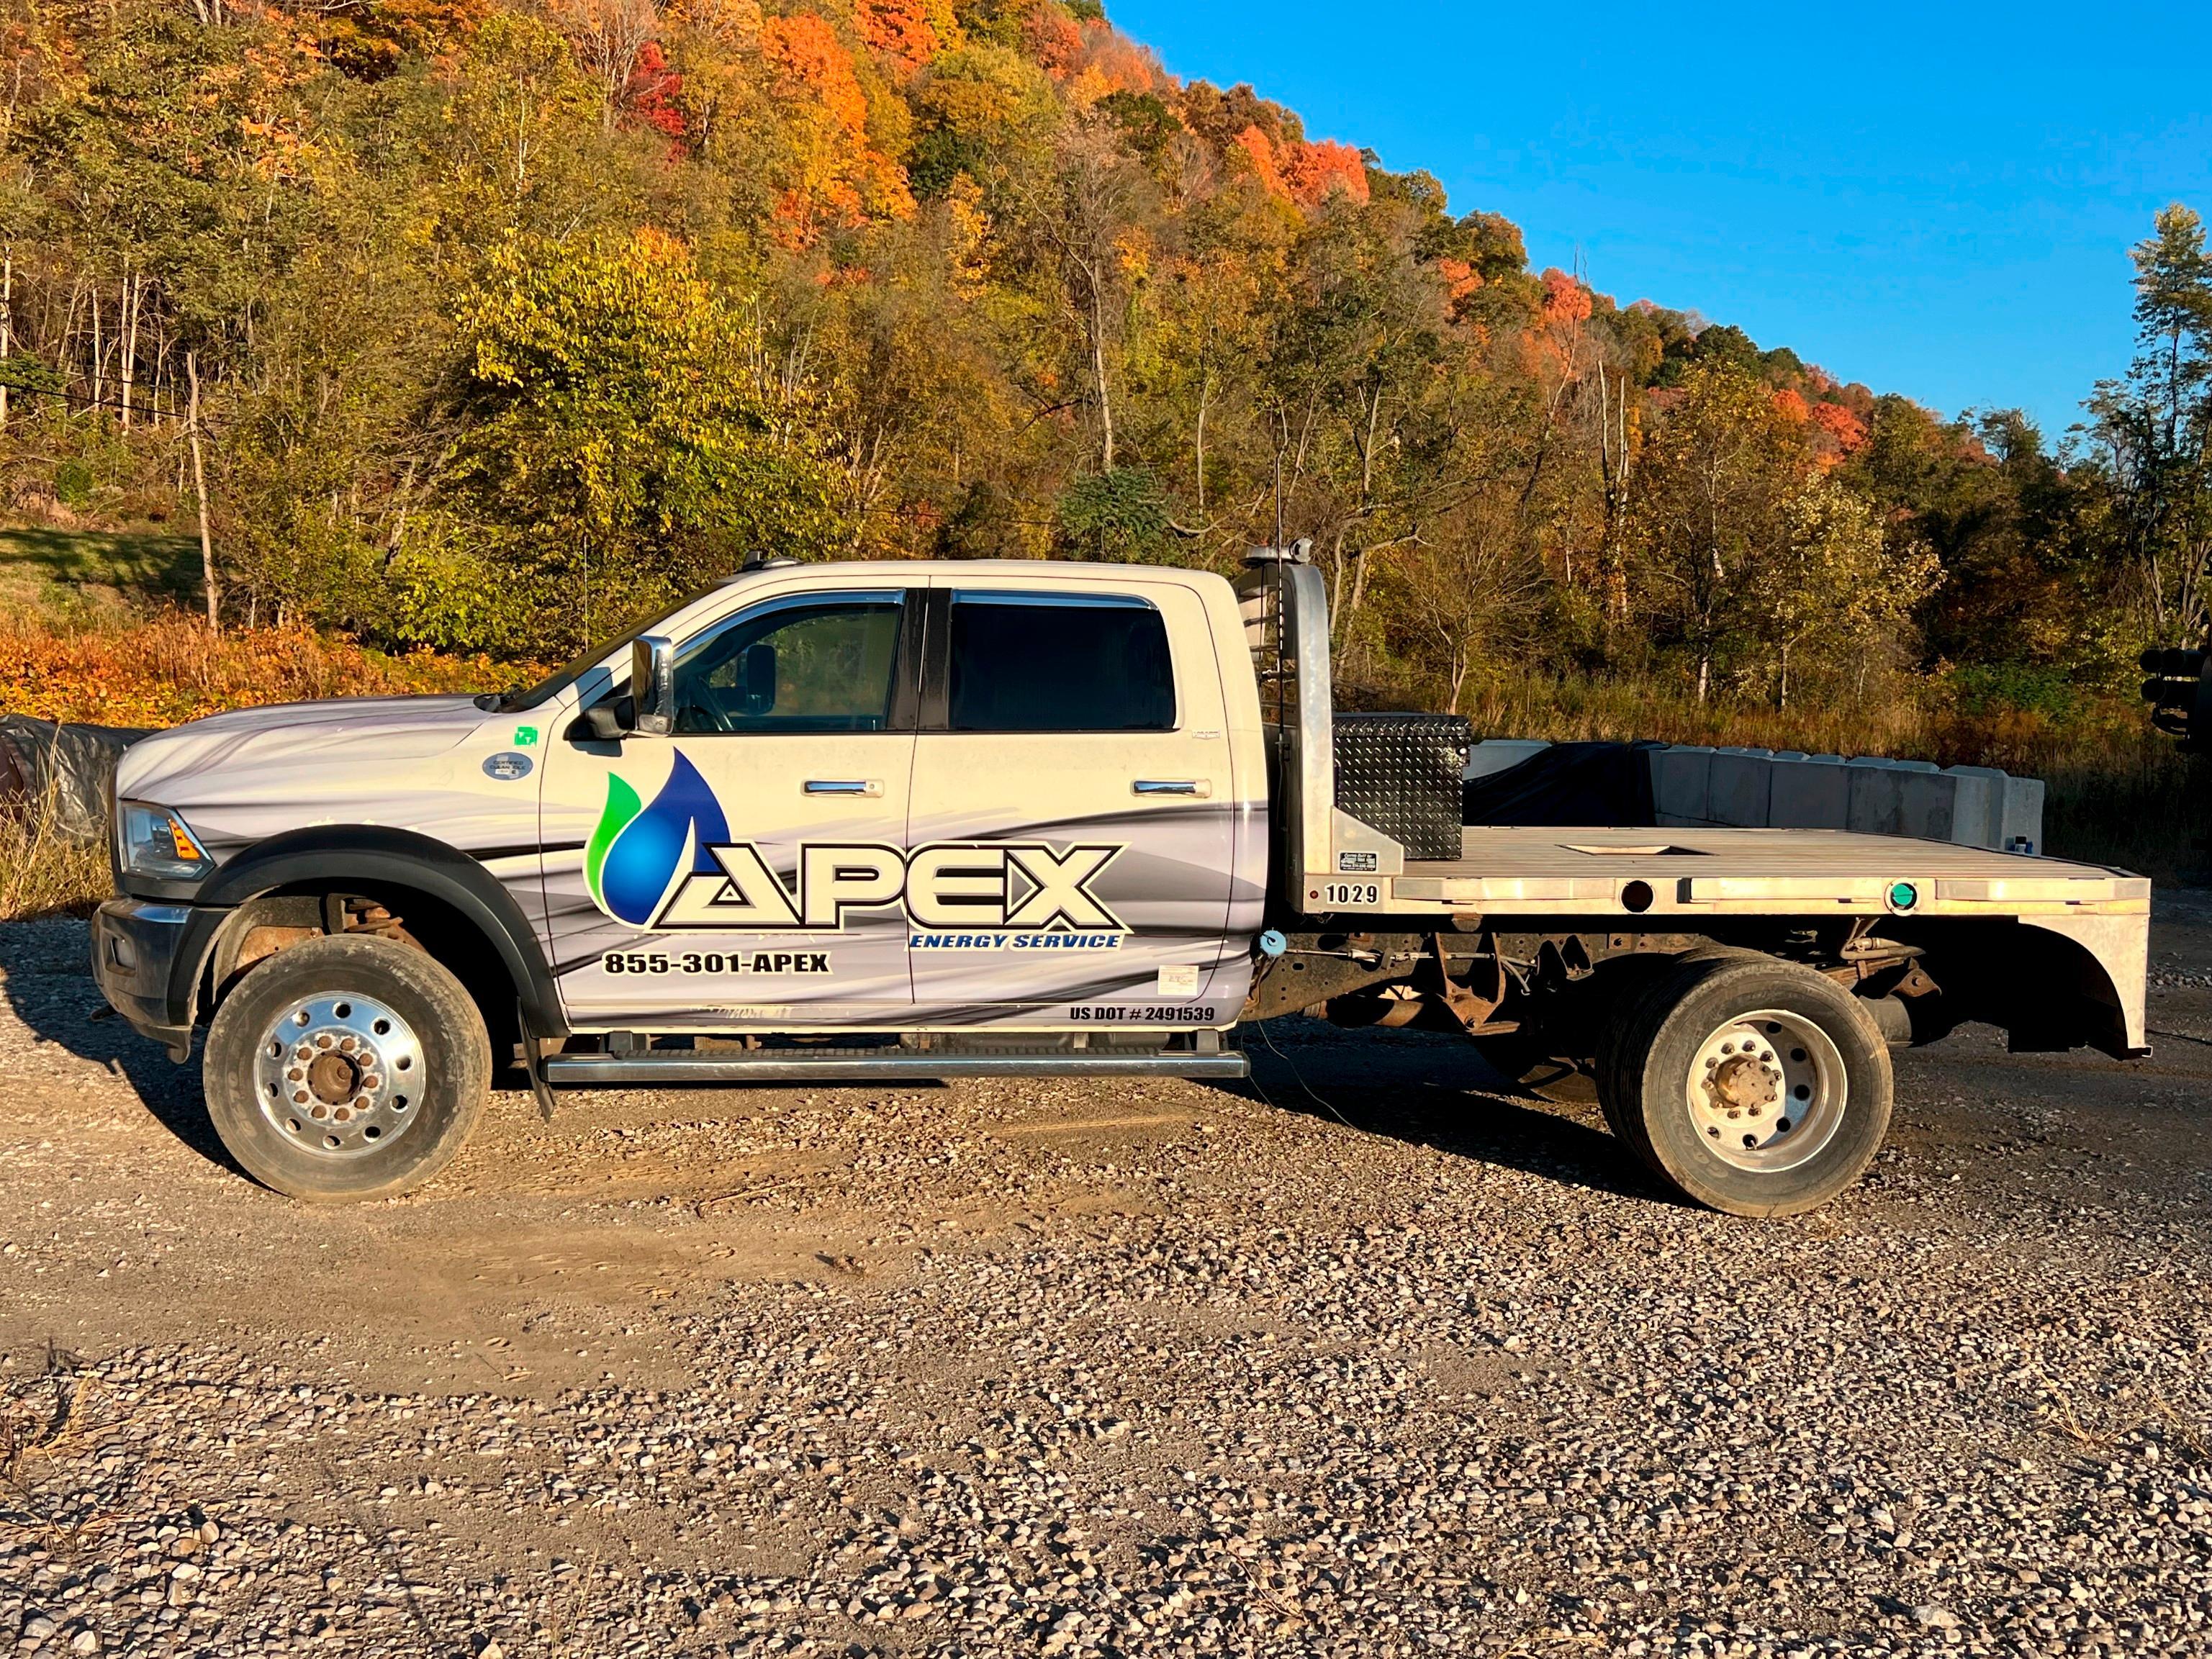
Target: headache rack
<point x="1356" y="797"/>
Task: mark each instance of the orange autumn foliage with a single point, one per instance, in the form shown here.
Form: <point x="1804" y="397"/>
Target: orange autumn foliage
<point x="1461" y="278"/>
<point x="171" y="669"/>
<point x="1120" y="63"/>
<point x="841" y="177"/>
<point x="1849" y="431"/>
<point x="1790" y="407"/>
<point x="1565" y="300"/>
<point x="1305" y="173"/>
<point x="1055" y="42"/>
<point x="1261" y="154"/>
<point x="905" y="31"/>
<point x="812" y="58"/>
<point x="1312" y="172"/>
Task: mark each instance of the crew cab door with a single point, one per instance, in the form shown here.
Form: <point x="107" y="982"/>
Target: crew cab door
<point x="1072" y="824"/>
<point x="744" y="870"/>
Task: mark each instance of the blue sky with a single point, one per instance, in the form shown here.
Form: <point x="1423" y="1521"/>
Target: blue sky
<point x="1936" y="200"/>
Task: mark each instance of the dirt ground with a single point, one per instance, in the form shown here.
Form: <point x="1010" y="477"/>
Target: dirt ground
<point x="1363" y="1357"/>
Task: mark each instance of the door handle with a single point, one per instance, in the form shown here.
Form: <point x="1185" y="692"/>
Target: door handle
<point x="871" y="787"/>
<point x="1170" y="787"/>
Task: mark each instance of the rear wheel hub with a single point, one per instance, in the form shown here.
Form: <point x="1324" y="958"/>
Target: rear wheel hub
<point x="1767" y="1090"/>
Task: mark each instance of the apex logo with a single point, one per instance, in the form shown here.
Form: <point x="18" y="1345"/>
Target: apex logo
<point x="1026" y="886"/>
<point x="672" y="865"/>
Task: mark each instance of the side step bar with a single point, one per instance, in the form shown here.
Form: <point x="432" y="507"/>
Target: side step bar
<point x="875" y="1065"/>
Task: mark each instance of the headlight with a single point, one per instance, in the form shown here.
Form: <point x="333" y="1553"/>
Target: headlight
<point x="156" y="842"/>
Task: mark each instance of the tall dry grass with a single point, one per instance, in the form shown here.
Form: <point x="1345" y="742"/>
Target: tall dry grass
<point x="44" y="870"/>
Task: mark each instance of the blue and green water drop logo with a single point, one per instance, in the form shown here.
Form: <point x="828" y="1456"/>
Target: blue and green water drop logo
<point x="637" y="851"/>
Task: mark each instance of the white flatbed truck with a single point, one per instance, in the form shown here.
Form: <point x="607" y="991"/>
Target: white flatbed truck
<point x="875" y="822"/>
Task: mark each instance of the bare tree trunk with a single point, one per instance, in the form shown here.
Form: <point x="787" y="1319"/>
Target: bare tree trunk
<point x="1612" y="474"/>
<point x="1098" y="371"/>
<point x="68" y="337"/>
<point x="99" y="353"/>
<point x="7" y="323"/>
<point x="199" y="488"/>
<point x="1205" y="391"/>
<point x="133" y="287"/>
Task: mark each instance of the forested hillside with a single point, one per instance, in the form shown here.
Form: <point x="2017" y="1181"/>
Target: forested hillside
<point x="482" y="326"/>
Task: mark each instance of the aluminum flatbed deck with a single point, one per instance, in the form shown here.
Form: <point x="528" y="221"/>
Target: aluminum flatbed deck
<point x="1663" y="871"/>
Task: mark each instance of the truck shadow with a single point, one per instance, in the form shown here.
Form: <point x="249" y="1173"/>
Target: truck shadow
<point x="1437" y="1092"/>
<point x="49" y="990"/>
<point x="1414" y="1087"/>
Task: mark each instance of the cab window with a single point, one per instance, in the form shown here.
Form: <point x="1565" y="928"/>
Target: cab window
<point x="1040" y="662"/>
<point x="811" y="663"/>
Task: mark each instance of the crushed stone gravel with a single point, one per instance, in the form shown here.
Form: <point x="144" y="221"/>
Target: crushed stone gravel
<point x="1154" y="1368"/>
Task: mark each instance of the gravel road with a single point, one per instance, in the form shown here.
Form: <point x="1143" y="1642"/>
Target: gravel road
<point x="1364" y="1360"/>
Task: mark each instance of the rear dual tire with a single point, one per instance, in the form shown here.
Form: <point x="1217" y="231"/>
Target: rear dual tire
<point x="1755" y="1086"/>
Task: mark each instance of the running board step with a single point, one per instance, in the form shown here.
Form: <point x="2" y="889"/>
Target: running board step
<point x="875" y="1065"/>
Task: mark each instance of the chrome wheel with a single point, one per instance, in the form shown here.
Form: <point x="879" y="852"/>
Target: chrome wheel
<point x="1767" y="1090"/>
<point x="339" y="1075"/>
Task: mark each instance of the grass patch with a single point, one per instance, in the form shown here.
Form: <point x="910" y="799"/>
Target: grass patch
<point x="152" y="564"/>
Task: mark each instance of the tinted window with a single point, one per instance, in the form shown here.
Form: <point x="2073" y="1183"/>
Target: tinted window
<point x="1037" y="664"/>
<point x="816" y="665"/>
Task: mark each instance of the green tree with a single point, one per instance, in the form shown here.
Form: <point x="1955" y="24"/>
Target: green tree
<point x="1832" y="600"/>
<point x="2155" y="427"/>
<point x="1712" y="491"/>
<point x="617" y="437"/>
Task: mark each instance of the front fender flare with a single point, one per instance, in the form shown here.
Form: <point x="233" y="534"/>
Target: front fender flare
<point x="326" y="855"/>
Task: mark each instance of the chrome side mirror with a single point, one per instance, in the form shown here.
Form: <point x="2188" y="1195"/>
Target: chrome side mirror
<point x="653" y="685"/>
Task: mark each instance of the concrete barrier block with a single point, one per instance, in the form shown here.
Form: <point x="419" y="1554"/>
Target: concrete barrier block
<point x="2021" y="819"/>
<point x="1501" y="754"/>
<point x="1681" y="784"/>
<point x="1978" y="820"/>
<point x="1875" y="803"/>
<point x="1740" y="791"/>
<point x="1877" y="794"/>
<point x="1811" y="792"/>
<point x="1950" y="806"/>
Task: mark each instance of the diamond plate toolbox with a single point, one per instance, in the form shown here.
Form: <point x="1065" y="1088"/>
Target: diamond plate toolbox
<point x="1401" y="774"/>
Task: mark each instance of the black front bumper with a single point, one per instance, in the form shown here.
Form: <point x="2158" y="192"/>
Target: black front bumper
<point x="146" y="959"/>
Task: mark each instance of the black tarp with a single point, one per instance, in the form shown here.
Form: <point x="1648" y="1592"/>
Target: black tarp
<point x="62" y="769"/>
<point x="1595" y="785"/>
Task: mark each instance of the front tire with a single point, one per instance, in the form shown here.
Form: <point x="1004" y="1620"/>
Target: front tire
<point x="1755" y="1086"/>
<point x="346" y="1067"/>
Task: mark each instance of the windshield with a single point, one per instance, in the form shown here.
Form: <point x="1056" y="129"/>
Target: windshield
<point x="517" y="699"/>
